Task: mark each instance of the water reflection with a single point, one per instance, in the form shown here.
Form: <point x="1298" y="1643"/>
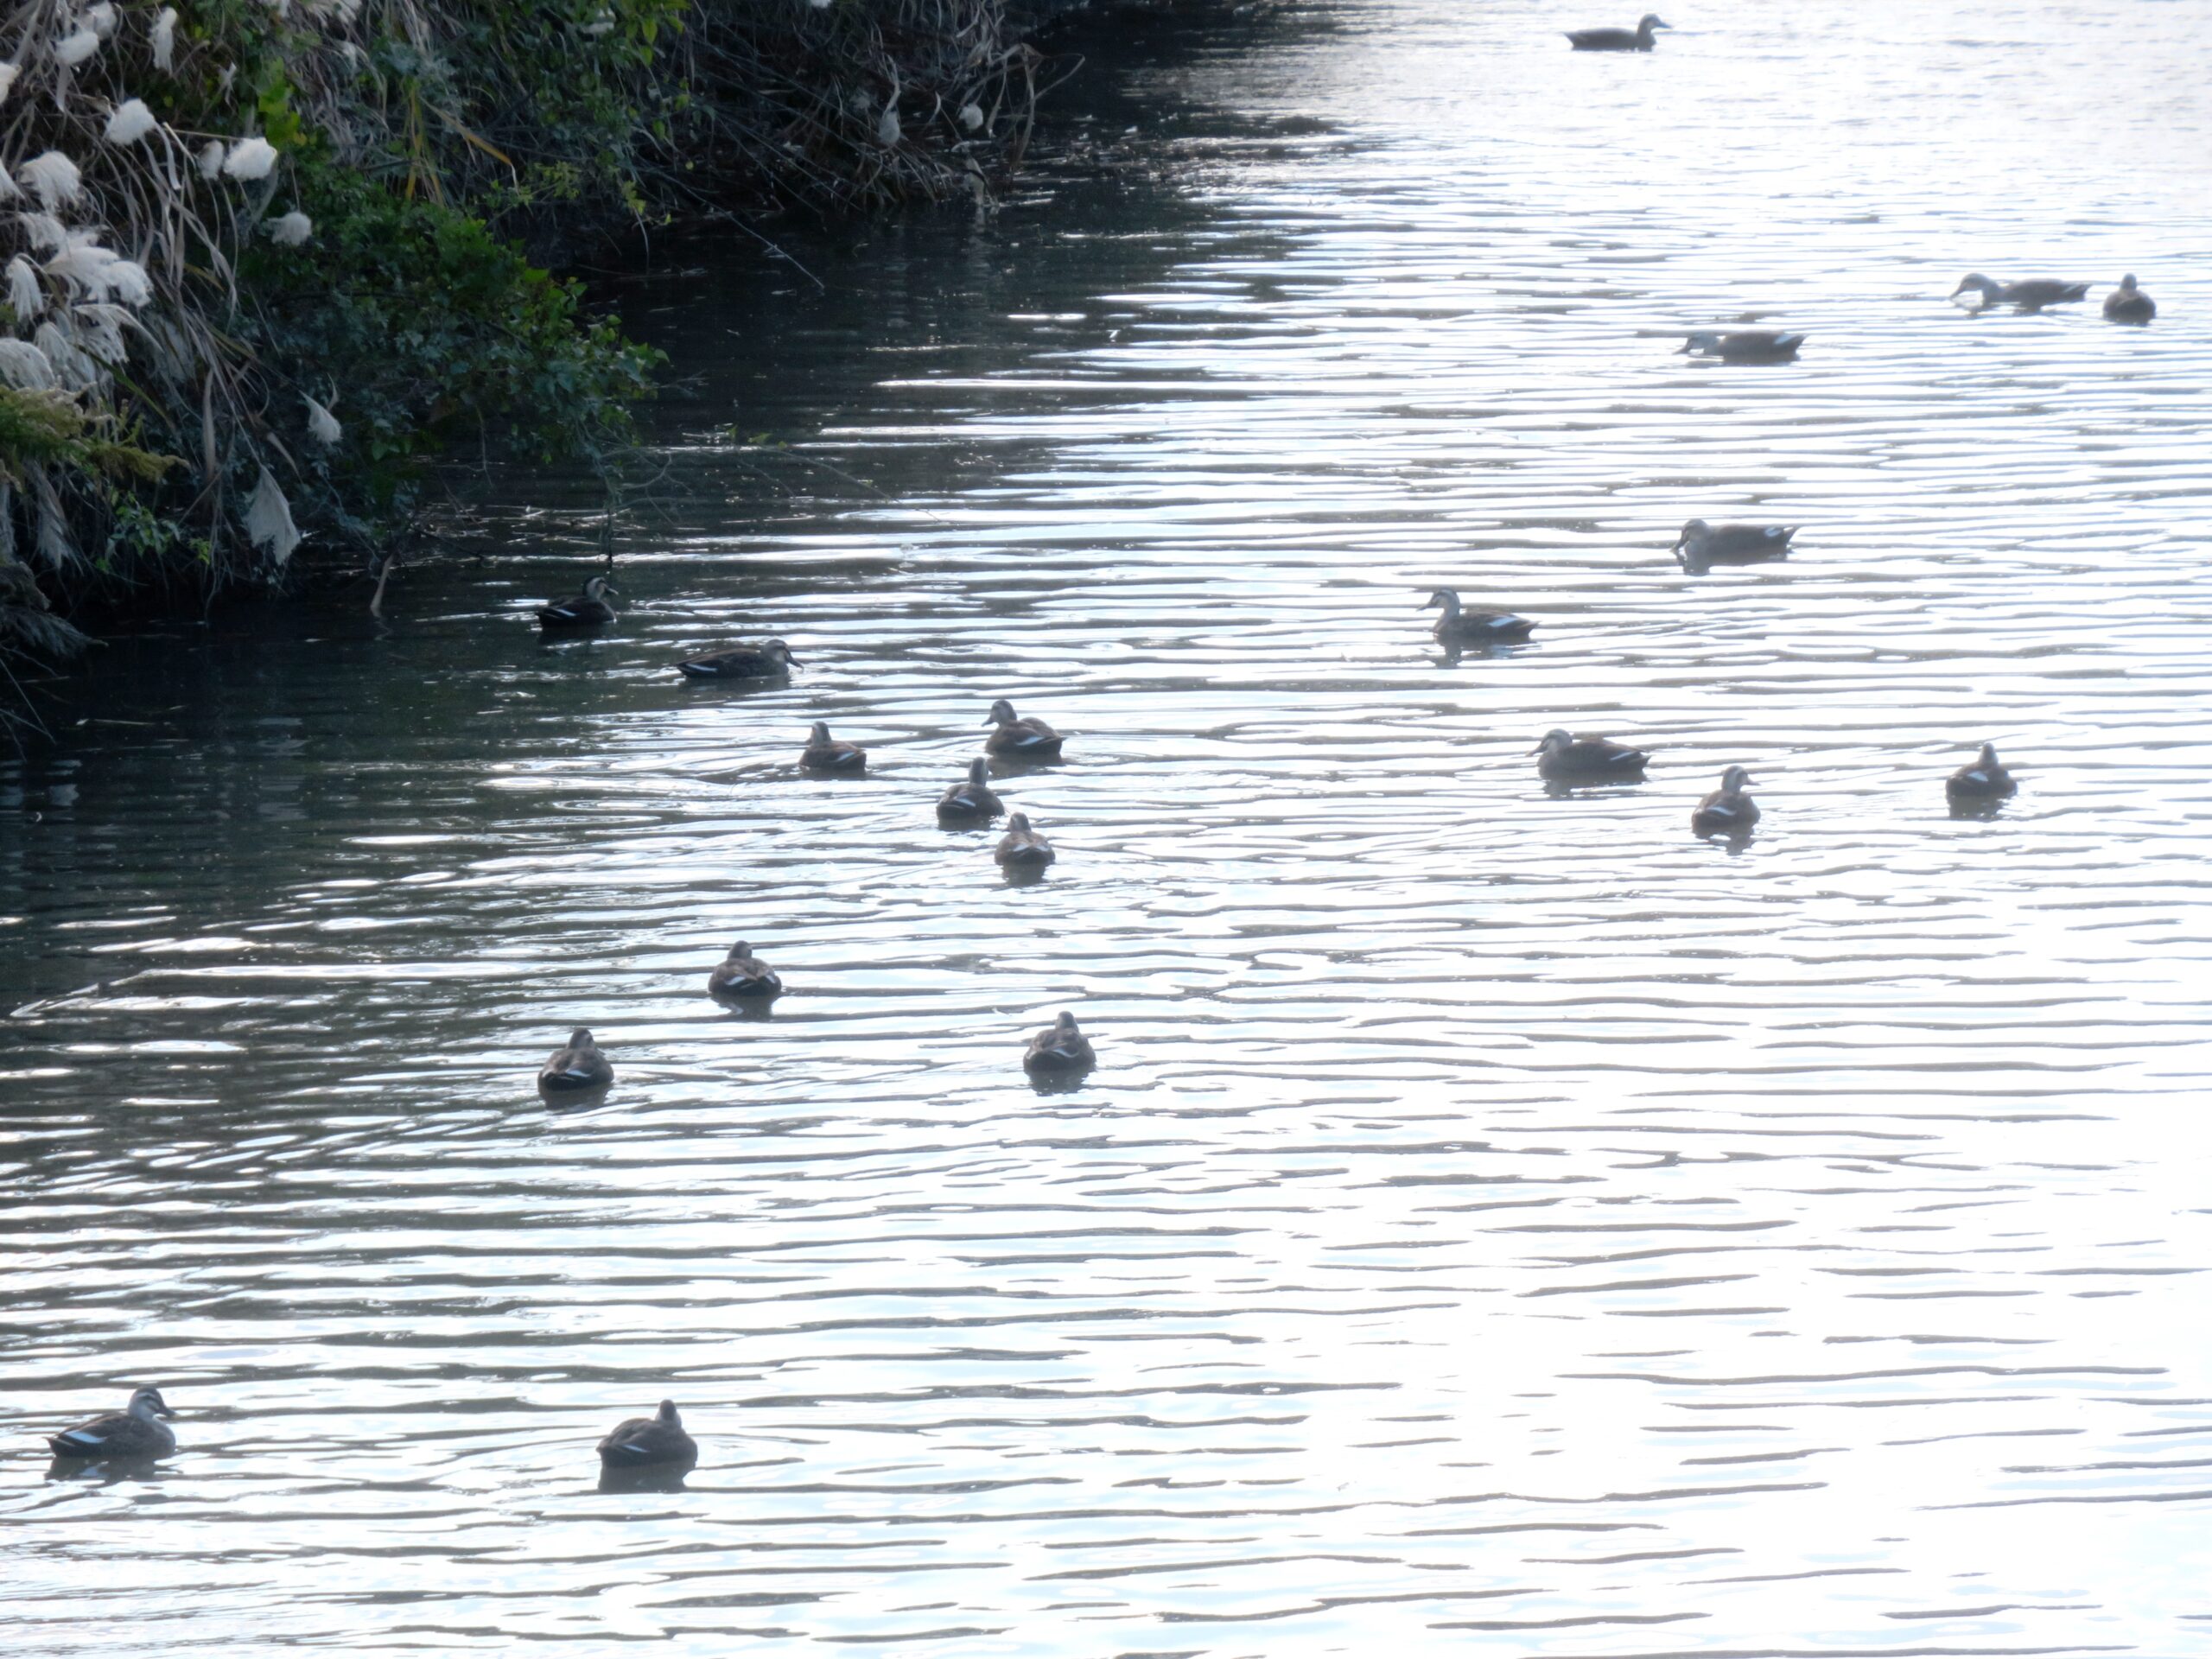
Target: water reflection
<point x="1494" y="1214"/>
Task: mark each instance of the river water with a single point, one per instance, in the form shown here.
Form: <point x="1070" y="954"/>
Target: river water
<point x="1499" y="1224"/>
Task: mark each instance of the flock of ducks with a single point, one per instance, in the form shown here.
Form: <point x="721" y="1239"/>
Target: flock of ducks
<point x="1061" y="1052"/>
<point x="658" y="1447"/>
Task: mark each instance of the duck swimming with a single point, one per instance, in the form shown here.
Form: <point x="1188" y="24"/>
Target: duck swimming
<point x="1703" y="543"/>
<point x="742" y="973"/>
<point x="1022" y="848"/>
<point x="580" y="1066"/>
<point x="1565" y="758"/>
<point x="2128" y="303"/>
<point x="588" y="609"/>
<point x="2031" y="295"/>
<point x="1747" y="346"/>
<point x="654" y="1442"/>
<point x="1981" y="781"/>
<point x="1058" y="1049"/>
<point x="136" y="1432"/>
<point x="1025" y="738"/>
<point x="972" y="800"/>
<point x="1459" y="628"/>
<point x="1638" y="39"/>
<point x="825" y="754"/>
<point x="1727" y="811"/>
<point x="753" y="659"/>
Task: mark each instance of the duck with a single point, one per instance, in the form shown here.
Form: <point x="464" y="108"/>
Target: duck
<point x="2031" y="295"/>
<point x="743" y="974"/>
<point x="1059" y="1049"/>
<point x="824" y="753"/>
<point x="588" y="609"/>
<point x="1727" y="811"/>
<point x="1459" y="628"/>
<point x="1566" y="758"/>
<point x="654" y="1442"/>
<point x="1021" y="738"/>
<point x="754" y="659"/>
<point x="972" y="799"/>
<point x="1703" y="543"/>
<point x="1022" y="848"/>
<point x="2128" y="303"/>
<point x="1981" y="780"/>
<point x="137" y="1431"/>
<point x="1746" y="346"/>
<point x="1618" y="39"/>
<point x="580" y="1066"/>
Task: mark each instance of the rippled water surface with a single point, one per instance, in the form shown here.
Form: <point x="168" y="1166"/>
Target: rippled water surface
<point x="1499" y="1224"/>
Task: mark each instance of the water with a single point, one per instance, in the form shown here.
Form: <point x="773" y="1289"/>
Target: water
<point x="1499" y="1224"/>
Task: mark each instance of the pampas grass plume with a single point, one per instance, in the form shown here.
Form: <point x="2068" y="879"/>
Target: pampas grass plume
<point x="131" y="121"/>
<point x="249" y="159"/>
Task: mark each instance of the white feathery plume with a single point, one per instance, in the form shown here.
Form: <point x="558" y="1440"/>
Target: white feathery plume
<point x="44" y="232"/>
<point x="131" y="121"/>
<point x="26" y="294"/>
<point x="269" y="520"/>
<point x="128" y="281"/>
<point x="7" y="189"/>
<point x="249" y="159"/>
<point x="53" y="543"/>
<point x="971" y="116"/>
<point x="72" y="49"/>
<point x="71" y="366"/>
<point x="211" y="159"/>
<point x="24" y="366"/>
<point x="291" y="230"/>
<point x="53" y="177"/>
<point x="886" y="129"/>
<point x="8" y="74"/>
<point x="164" y="39"/>
<point x="99" y="329"/>
<point x="323" y="425"/>
<point x="101" y="16"/>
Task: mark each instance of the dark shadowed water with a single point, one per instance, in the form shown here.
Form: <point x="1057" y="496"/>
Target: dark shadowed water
<point x="1499" y="1225"/>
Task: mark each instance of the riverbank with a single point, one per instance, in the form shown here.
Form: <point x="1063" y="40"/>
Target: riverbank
<point x="277" y="263"/>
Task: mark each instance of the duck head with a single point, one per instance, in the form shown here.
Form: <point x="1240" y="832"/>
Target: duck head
<point x="820" y="732"/>
<point x="776" y="650"/>
<point x="1447" y="598"/>
<point x="1989" y="757"/>
<point x="580" y="1038"/>
<point x="2127" y="284"/>
<point x="1691" y="531"/>
<point x="1018" y="825"/>
<point x="979" y="772"/>
<point x="1001" y="713"/>
<point x="1979" y="286"/>
<point x="739" y="951"/>
<point x="1700" y="342"/>
<point x="1554" y="740"/>
<point x="1064" y="1025"/>
<point x="1649" y="20"/>
<point x="146" y="1404"/>
<point x="666" y="1416"/>
<point x="600" y="587"/>
<point x="1733" y="779"/>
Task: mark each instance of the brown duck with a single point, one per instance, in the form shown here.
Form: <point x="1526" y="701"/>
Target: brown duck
<point x="1727" y="811"/>
<point x="824" y="753"/>
<point x="1021" y="738"/>
<point x="972" y="800"/>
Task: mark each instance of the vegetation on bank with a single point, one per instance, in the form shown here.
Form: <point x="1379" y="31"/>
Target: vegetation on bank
<point x="262" y="261"/>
